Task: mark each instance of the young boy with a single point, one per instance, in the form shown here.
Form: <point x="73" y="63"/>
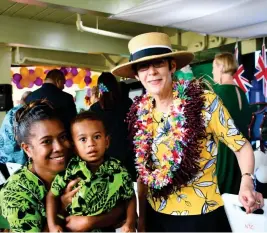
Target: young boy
<point x="104" y="182"/>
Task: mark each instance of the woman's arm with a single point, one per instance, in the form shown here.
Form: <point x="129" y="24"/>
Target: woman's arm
<point x="142" y="193"/>
<point x="223" y="127"/>
<point x="247" y="196"/>
<point x="87" y="223"/>
<point x="246" y="160"/>
<point x="51" y="212"/>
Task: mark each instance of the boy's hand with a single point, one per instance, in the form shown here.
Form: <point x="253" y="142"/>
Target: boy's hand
<point x="56" y="228"/>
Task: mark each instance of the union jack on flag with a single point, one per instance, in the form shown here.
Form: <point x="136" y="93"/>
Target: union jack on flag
<point x="242" y="82"/>
<point x="261" y="67"/>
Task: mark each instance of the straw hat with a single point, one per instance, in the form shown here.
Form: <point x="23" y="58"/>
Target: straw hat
<point x="150" y="46"/>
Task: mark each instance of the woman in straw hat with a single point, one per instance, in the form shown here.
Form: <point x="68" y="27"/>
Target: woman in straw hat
<point x="176" y="128"/>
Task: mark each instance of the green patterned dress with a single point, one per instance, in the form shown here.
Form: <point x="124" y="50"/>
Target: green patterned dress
<point x="22" y="201"/>
<point x="100" y="192"/>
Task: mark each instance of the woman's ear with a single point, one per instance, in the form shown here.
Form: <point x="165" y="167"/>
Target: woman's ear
<point x="137" y="77"/>
<point x="173" y="66"/>
<point x="26" y="148"/>
<point x="221" y="67"/>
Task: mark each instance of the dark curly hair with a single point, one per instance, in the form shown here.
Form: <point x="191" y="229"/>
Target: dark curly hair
<point x="28" y="114"/>
<point x="111" y="99"/>
<point x="90" y="116"/>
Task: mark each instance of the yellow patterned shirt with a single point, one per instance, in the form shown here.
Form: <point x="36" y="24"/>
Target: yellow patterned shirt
<point x="201" y="195"/>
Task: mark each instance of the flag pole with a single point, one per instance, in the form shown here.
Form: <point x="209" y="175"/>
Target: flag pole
<point x="237" y="49"/>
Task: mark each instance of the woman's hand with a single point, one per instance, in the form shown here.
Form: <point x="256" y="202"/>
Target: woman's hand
<point x="56" y="228"/>
<point x="250" y="199"/>
<point x="69" y="192"/>
<point x="79" y="223"/>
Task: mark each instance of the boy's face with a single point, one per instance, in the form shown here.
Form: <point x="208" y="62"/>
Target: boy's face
<point x="90" y="141"/>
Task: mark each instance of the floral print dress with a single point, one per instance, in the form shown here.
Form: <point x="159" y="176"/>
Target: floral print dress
<point x="201" y="195"/>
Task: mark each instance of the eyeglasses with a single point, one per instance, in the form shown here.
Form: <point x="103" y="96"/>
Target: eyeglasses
<point x="155" y="63"/>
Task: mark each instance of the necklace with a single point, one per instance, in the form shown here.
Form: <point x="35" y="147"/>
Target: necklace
<point x="163" y="175"/>
<point x="181" y="164"/>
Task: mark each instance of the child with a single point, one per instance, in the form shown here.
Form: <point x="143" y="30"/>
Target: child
<point x="104" y="182"/>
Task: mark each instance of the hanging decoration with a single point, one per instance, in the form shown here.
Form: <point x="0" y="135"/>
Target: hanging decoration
<point x="27" y="78"/>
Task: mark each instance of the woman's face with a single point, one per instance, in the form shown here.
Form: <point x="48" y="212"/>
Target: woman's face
<point x="217" y="71"/>
<point x="48" y="146"/>
<point x="156" y="76"/>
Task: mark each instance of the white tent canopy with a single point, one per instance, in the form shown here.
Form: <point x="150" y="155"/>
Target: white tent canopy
<point x="226" y="18"/>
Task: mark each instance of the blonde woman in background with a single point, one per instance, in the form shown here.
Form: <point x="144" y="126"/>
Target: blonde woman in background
<point x="235" y="100"/>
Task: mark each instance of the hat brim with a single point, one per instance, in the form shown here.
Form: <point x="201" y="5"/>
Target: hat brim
<point x="182" y="58"/>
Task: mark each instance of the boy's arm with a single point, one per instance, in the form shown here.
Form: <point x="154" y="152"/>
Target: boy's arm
<point x="142" y="192"/>
<point x="51" y="210"/>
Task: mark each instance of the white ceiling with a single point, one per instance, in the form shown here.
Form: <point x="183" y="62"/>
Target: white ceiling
<point x="226" y="18"/>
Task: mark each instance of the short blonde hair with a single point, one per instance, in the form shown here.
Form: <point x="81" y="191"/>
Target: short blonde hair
<point x="228" y="61"/>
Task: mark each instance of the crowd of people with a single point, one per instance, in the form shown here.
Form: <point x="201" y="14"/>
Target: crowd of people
<point x="183" y="142"/>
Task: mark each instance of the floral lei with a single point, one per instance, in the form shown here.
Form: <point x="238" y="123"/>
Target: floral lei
<point x="180" y="163"/>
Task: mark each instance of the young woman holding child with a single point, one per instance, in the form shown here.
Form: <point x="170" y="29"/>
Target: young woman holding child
<point x="43" y="137"/>
<point x="104" y="182"/>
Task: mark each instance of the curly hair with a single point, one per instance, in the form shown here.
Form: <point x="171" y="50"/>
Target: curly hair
<point x="28" y="114"/>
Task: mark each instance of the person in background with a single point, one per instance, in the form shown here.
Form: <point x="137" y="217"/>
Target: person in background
<point x="52" y="90"/>
<point x="235" y="100"/>
<point x="125" y="96"/>
<point x="95" y="95"/>
<point x="112" y="108"/>
<point x="10" y="151"/>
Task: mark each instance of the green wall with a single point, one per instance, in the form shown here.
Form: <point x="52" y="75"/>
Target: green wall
<point x="202" y="69"/>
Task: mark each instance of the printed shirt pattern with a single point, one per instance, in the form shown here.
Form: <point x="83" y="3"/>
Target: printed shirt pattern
<point x="22" y="201"/>
<point x="201" y="195"/>
<point x="10" y="151"/>
<point x="99" y="192"/>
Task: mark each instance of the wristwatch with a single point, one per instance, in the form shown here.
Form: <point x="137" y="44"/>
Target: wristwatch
<point x="252" y="177"/>
<point x="249" y="174"/>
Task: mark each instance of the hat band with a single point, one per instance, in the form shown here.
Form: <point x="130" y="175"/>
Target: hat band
<point x="149" y="52"/>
